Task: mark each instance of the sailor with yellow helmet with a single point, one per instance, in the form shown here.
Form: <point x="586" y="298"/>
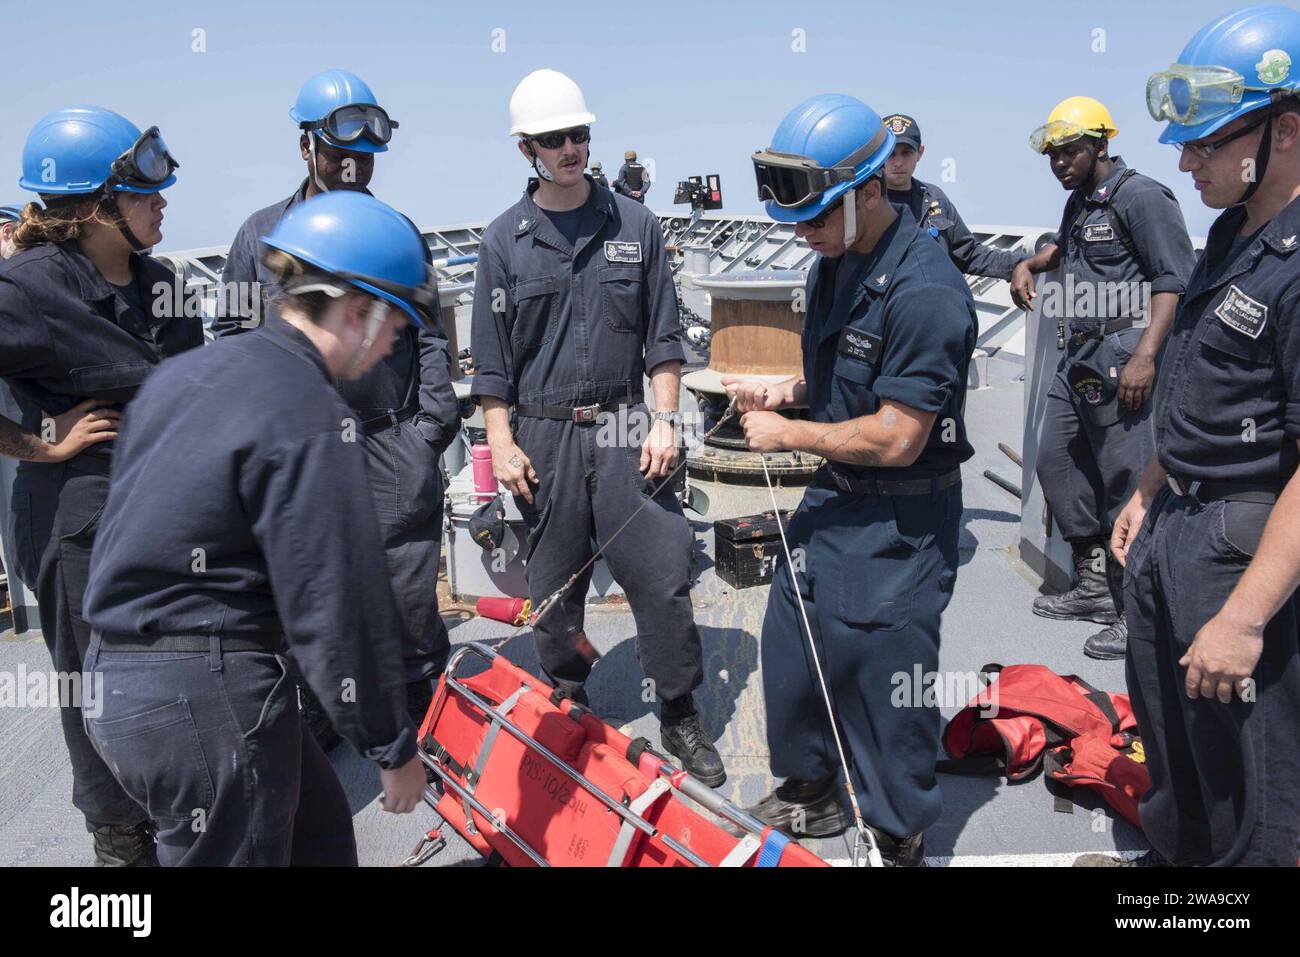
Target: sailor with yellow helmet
<point x="1125" y="258"/>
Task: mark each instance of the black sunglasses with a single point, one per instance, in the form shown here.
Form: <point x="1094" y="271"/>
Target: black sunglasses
<point x="818" y="221"/>
<point x="553" y="141"/>
<point x="1206" y="150"/>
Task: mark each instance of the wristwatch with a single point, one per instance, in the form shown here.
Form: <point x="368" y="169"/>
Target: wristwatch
<point x="674" y="417"/>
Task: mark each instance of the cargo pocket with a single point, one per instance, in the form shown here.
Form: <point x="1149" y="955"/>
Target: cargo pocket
<point x="875" y="588"/>
<point x="620" y="297"/>
<point x="158" y="759"/>
<point x="534" y="324"/>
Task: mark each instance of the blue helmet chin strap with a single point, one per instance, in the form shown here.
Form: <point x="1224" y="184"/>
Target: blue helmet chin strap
<point x="1261" y="159"/>
<point x="315" y="173"/>
<point x="850" y="217"/>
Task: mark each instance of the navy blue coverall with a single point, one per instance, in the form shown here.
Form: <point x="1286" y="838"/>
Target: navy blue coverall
<point x="879" y="563"/>
<point x="578" y="325"/>
<point x="68" y="335"/>
<point x="1092" y="450"/>
<point x="233" y="523"/>
<point x="1225" y="779"/>
<point x="408" y="412"/>
<point x="936" y="214"/>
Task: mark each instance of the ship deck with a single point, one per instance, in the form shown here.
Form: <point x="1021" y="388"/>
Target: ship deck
<point x="984" y="820"/>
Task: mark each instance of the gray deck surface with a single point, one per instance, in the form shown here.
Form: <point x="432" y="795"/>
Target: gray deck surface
<point x="985" y="821"/>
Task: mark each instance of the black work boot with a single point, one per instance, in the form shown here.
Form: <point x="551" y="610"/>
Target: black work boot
<point x="804" y="809"/>
<point x="1091" y="597"/>
<point x="1151" y="858"/>
<point x="318" y="722"/>
<point x="895" y="852"/>
<point x="124" y="845"/>
<point x="682" y="736"/>
<point x="1109" y="643"/>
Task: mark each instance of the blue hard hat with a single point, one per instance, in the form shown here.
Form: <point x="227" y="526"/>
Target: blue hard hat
<point x="364" y="242"/>
<point x="11" y="214"/>
<point x="828" y="129"/>
<point x="326" y="92"/>
<point x="1260" y="44"/>
<point x="71" y="151"/>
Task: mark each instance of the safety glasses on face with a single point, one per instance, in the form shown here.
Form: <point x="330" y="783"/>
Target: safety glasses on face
<point x="554" y="140"/>
<point x="347" y="124"/>
<point x="790" y="180"/>
<point x="818" y="221"/>
<point x="1058" y="133"/>
<point x="1206" y="150"/>
<point x="146" y="163"/>
<point x="1191" y="95"/>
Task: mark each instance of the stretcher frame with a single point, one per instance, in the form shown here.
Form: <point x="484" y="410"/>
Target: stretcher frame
<point x="755" y="831"/>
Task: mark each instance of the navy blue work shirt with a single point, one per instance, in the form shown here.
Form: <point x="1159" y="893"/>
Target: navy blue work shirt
<point x="936" y="215"/>
<point x="418" y="371"/>
<point x="1228" y="399"/>
<point x="904" y="332"/>
<point x="67" y="335"/>
<point x="1093" y="249"/>
<point x="562" y="324"/>
<point x="244" y="265"/>
<point x="238" y="506"/>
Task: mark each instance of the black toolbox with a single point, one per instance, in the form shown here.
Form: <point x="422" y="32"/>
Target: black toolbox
<point x="745" y="549"/>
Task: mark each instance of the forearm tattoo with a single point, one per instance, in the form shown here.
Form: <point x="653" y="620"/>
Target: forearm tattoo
<point x="17" y="443"/>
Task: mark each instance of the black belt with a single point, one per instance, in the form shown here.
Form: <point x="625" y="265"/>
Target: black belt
<point x="1105" y="329"/>
<point x="90" y="464"/>
<point x="385" y="420"/>
<point x="114" y="641"/>
<point x="581" y="413"/>
<point x="1262" y="493"/>
<point x="924" y="486"/>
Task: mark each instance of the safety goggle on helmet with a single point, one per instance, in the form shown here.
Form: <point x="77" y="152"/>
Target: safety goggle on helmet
<point x="790" y="180"/>
<point x="1058" y="133"/>
<point x="347" y="124"/>
<point x="147" y="163"/>
<point x="1192" y="95"/>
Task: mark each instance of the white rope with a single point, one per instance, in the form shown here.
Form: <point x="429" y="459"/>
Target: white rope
<point x="864" y="840"/>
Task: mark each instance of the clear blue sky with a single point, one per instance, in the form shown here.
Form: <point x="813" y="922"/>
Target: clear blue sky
<point x="695" y="86"/>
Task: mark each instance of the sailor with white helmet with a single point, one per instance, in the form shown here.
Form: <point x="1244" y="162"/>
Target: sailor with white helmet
<point x="1124" y="252"/>
<point x="233" y="534"/>
<point x="404" y="408"/>
<point x="573" y="305"/>
<point x="857" y="601"/>
<point x="80" y="334"/>
<point x="1209" y="538"/>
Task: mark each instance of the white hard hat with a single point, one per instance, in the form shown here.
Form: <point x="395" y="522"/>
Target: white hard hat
<point x="546" y="100"/>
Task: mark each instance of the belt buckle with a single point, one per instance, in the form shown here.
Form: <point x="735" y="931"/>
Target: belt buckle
<point x="586" y="413"/>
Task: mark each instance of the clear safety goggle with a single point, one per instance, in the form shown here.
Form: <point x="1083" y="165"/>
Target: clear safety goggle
<point x="347" y="124"/>
<point x="1058" y="133"/>
<point x="1190" y="95"/>
<point x="146" y="163"/>
<point x="790" y="180"/>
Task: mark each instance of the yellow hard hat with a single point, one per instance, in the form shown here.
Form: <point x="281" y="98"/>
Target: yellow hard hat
<point x="1070" y="119"/>
<point x="1086" y="113"/>
<point x="629" y="155"/>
